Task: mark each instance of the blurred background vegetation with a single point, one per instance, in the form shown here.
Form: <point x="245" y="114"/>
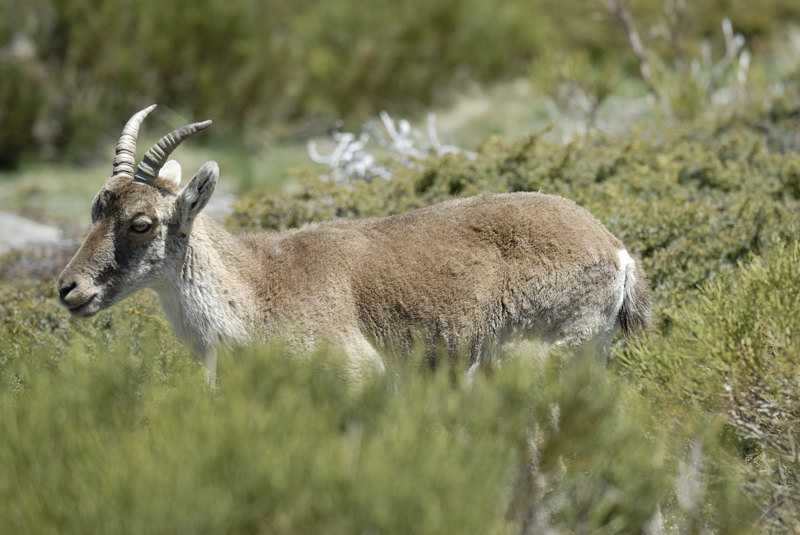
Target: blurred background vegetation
<point x="675" y="128"/>
<point x="71" y="70"/>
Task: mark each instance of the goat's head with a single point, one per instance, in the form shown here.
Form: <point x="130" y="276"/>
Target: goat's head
<point x="141" y="221"/>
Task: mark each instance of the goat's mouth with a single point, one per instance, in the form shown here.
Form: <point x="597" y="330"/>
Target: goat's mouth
<point x="87" y="309"/>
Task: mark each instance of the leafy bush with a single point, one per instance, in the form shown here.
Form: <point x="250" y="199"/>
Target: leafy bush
<point x="734" y="351"/>
<point x="123" y="436"/>
<point x="22" y="95"/>
<point x="33" y="324"/>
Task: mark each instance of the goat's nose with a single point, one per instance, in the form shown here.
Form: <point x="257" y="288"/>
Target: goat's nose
<point x="64" y="288"/>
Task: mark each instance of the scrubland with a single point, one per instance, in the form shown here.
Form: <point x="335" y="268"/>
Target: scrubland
<point x="107" y="424"/>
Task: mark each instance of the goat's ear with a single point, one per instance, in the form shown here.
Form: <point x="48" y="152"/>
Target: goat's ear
<point x="172" y="172"/>
<point x="193" y="198"/>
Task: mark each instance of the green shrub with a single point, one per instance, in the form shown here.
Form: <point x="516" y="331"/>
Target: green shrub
<point x="734" y="351"/>
<point x="126" y="438"/>
<point x="33" y="325"/>
<point x="108" y="426"/>
<point x="22" y="97"/>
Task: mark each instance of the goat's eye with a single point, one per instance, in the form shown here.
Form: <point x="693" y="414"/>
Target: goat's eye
<point x="140" y="226"/>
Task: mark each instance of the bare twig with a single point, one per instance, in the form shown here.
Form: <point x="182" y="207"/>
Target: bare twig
<point x="350" y="159"/>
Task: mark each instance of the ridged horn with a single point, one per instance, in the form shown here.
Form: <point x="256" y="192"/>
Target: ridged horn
<point x="125" y="157"/>
<point x="155" y="158"/>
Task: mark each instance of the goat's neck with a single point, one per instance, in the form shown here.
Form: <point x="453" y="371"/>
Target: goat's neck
<point x="206" y="298"/>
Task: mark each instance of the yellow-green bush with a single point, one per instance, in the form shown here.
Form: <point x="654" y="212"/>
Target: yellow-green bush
<point x="734" y="351"/>
<point x="125" y="437"/>
<point x="247" y="65"/>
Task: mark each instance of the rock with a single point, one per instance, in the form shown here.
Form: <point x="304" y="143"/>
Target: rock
<point x="17" y="232"/>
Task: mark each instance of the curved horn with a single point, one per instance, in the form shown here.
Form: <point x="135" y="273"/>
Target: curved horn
<point x="125" y="158"/>
<point x="156" y="156"/>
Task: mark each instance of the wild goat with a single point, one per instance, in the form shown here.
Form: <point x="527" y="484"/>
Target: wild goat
<point x="463" y="274"/>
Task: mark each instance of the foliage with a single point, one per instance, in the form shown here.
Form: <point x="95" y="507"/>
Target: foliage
<point x="65" y="77"/>
<point x="107" y="424"/>
<point x="251" y="63"/>
<point x="122" y="435"/>
<point x="21" y="87"/>
<point x="734" y="351"/>
<point x="33" y="324"/>
<point x="575" y="86"/>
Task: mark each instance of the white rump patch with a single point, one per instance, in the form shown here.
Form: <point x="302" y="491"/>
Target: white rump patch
<point x="627" y="271"/>
<point x="625" y="260"/>
<point x="172" y="172"/>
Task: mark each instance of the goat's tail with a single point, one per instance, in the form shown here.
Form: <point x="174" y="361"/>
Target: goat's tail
<point x="635" y="313"/>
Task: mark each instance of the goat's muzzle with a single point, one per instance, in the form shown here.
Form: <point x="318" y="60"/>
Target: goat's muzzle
<point x="80" y="299"/>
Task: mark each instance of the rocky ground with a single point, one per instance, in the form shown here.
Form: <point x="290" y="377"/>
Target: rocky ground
<point x="21" y="233"/>
<point x="32" y="250"/>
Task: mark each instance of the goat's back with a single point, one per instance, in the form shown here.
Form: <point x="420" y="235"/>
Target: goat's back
<point x="460" y="271"/>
